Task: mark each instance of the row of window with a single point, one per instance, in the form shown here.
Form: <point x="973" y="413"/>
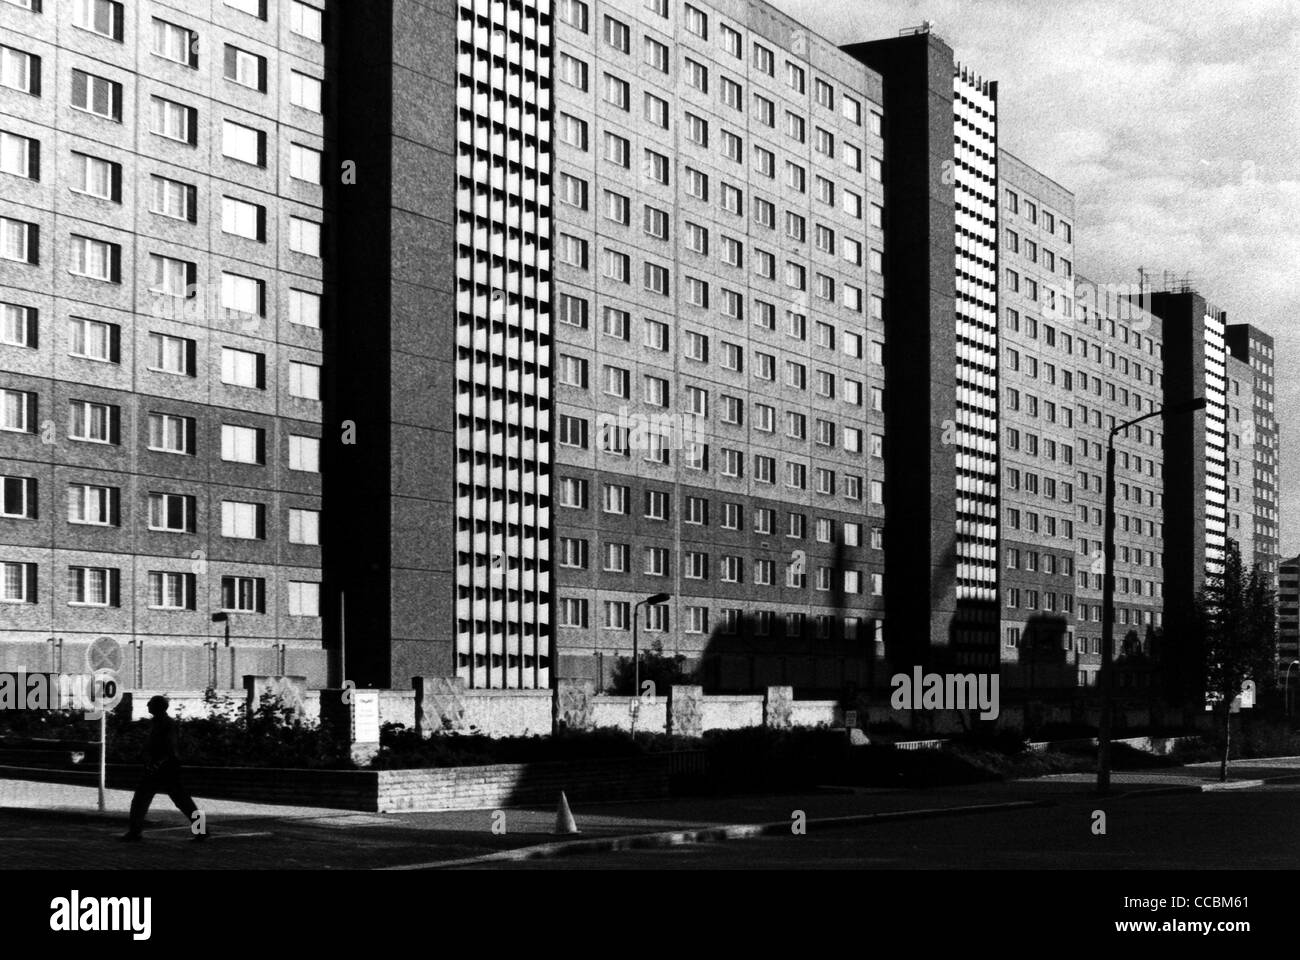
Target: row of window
<point x="167" y="590"/>
<point x="107" y="18"/>
<point x="616" y="499"/>
<point x="92" y="422"/>
<point x="575" y="613"/>
<point x="174" y="121"/>
<point x="1029" y="210"/>
<point x="617" y="34"/>
<point x="656" y="167"/>
<point x="101" y="341"/>
<point x="99" y="505"/>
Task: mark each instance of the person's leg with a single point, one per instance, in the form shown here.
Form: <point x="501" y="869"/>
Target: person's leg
<point x="140" y="803"/>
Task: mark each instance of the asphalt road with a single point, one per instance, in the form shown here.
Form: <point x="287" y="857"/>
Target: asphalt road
<point x="1256" y="828"/>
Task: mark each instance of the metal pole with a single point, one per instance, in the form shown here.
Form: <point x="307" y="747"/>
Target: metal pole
<point x="636" y="664"/>
<point x="1107" y="626"/>
<point x="103" y="754"/>
<point x="343" y="639"/>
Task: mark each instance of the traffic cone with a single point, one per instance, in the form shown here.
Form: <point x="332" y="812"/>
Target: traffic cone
<point x="564" y="823"/>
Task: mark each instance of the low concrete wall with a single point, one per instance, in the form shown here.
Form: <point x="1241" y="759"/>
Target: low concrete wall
<point x="816" y="713"/>
<point x="734" y="712"/>
<point x="383" y="791"/>
<point x="185" y="704"/>
<point x="397" y="706"/>
<point x="608" y="710"/>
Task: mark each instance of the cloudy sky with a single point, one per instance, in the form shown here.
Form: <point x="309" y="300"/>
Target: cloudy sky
<point x="1177" y="126"/>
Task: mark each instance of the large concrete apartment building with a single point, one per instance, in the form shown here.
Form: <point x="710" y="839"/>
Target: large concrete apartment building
<point x="161" y="280"/>
<point x="423" y="337"/>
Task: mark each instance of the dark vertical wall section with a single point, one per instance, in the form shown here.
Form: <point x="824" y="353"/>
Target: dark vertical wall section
<point x="920" y="352"/>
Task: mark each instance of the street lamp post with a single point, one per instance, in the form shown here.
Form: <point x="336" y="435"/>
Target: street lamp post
<point x="1108" y="588"/>
<point x="1286" y="684"/>
<point x="636" y="650"/>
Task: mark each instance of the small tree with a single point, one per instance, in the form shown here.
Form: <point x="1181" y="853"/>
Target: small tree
<point x="1235" y="617"/>
<point x="662" y="670"/>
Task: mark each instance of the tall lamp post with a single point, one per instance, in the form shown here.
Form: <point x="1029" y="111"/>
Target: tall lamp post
<point x="636" y="650"/>
<point x="1108" y="588"/>
<point x="1286" y="684"/>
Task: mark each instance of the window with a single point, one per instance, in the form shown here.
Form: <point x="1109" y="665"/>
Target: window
<point x="697" y="22"/>
<point x="615" y="323"/>
<point x="304" y="380"/>
<point x="306" y="21"/>
<point x="656" y="111"/>
<point x="18" y="583"/>
<point x="304" y="308"/>
<point x="243" y="444"/>
<point x="243" y="368"/>
<point x="172" y="512"/>
<point x="174" y="278"/>
<point x="21" y="71"/>
<point x="617" y="34"/>
<point x="243" y="521"/>
<point x="97" y="95"/>
<point x="171" y="434"/>
<point x="656" y="54"/>
<point x="697" y="130"/>
<point x="794" y="77"/>
<point x="103" y="17"/>
<point x="243" y="219"/>
<point x="617" y="149"/>
<point x="175" y="43"/>
<point x="573" y="131"/>
<point x="242" y="143"/>
<point x="19" y="325"/>
<point x="656" y="506"/>
<point x="656" y="168"/>
<point x="243" y="294"/>
<point x="794" y="126"/>
<point x="246" y="69"/>
<point x="697" y="75"/>
<point x="616" y="265"/>
<point x="94" y="340"/>
<point x="94" y="587"/>
<point x="656" y="278"/>
<point x="656" y="335"/>
<point x="174" y="199"/>
<point x="304" y="163"/>
<point x="573" y="613"/>
<point x="20" y="156"/>
<point x="824" y="141"/>
<point x="655" y="223"/>
<point x="243" y="594"/>
<point x="304" y="237"/>
<point x="18" y="498"/>
<point x="19" y="241"/>
<point x="304" y="91"/>
<point x="304" y="453"/>
<point x="17" y="411"/>
<point x="94" y="505"/>
<point x="573" y="71"/>
<point x="851" y="109"/>
<point x="824" y="93"/>
<point x="571" y="250"/>
<point x="733" y="147"/>
<point x="304" y="599"/>
<point x="94" y="422"/>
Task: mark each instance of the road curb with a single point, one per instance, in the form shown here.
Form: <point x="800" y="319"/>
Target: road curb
<point x="718" y="834"/>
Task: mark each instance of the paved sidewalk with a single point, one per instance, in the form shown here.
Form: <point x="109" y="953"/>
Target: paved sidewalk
<point x="55" y="826"/>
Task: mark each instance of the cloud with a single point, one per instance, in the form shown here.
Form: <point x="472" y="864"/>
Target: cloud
<point x="1176" y="125"/>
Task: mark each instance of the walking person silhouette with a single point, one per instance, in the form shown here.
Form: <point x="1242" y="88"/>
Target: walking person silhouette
<point x="162" y="773"/>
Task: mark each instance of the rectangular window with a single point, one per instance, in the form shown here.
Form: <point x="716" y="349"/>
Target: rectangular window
<point x="172" y="198"/>
<point x="304" y="454"/>
<point x="94" y="422"/>
<point x="94" y="505"/>
<point x="172" y="512"/>
<point x="18" y="498"/>
<point x="304" y="308"/>
<point x="20" y="71"/>
<point x="174" y="278"/>
<point x="20" y="156"/>
<point x="97" y="95"/>
<point x="244" y="68"/>
<point x="243" y="368"/>
<point x="19" y="325"/>
<point x="173" y="120"/>
<point x="94" y="340"/>
<point x="95" y="177"/>
<point x="244" y="295"/>
<point x="243" y="219"/>
<point x="171" y="591"/>
<point x="304" y="380"/>
<point x="304" y="163"/>
<point x="18" y="583"/>
<point x="94" y="587"/>
<point x="175" y="43"/>
<point x="245" y="144"/>
<point x="171" y="434"/>
<point x="243" y="444"/>
<point x="304" y="91"/>
<point x="304" y="599"/>
<point x="19" y="241"/>
<point x="18" y="411"/>
<point x="243" y="594"/>
<point x="243" y="521"/>
<point x="305" y="20"/>
<point x="304" y="237"/>
<point x="103" y="17"/>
